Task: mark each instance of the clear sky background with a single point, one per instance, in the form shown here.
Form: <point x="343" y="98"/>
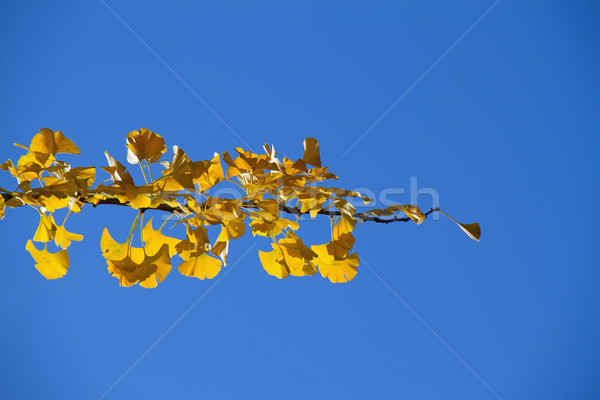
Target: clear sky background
<point x="504" y="128"/>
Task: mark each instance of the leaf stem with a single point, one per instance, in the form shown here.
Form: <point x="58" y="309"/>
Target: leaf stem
<point x="143" y="173"/>
<point x="235" y="183"/>
<point x="149" y="171"/>
<point x="66" y="216"/>
<point x="203" y="192"/>
<point x="142" y="229"/>
<point x="131" y="232"/>
<point x="163" y="224"/>
<point x="331" y="227"/>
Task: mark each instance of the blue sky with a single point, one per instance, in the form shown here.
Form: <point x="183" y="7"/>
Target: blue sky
<point x="504" y="128"/>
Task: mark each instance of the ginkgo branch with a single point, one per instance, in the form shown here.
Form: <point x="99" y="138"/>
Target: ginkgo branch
<point x="273" y="189"/>
<point x="246" y="204"/>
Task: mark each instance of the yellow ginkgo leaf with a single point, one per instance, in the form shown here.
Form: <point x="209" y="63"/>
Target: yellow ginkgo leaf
<point x="312" y="154"/>
<point x="194" y="244"/>
<point x="221" y="249"/>
<point x="154" y="240"/>
<point x="312" y="199"/>
<point x="236" y="166"/>
<point x="335" y="268"/>
<point x="269" y="206"/>
<point x="294" y="167"/>
<point x="297" y="256"/>
<point x="14" y="202"/>
<point x="144" y="145"/>
<point x="208" y="173"/>
<point x="262" y="226"/>
<point x="178" y="174"/>
<point x="117" y="171"/>
<point x="340" y="270"/>
<point x="233" y="229"/>
<point x="289" y="257"/>
<point x="50" y="142"/>
<point x="82" y="177"/>
<point x="50" y="265"/>
<point x="111" y="249"/>
<point x="133" y="264"/>
<point x="342" y="245"/>
<point x="472" y="230"/>
<point x="162" y="260"/>
<point x="347" y="222"/>
<point x="139" y="200"/>
<point x="55" y="201"/>
<point x="40" y="159"/>
<point x="8" y="166"/>
<point x="75" y="205"/>
<point x="2" y="207"/>
<point x="63" y="237"/>
<point x="137" y="266"/>
<point x="46" y="229"/>
<point x="270" y="261"/>
<point x="130" y="272"/>
<point x="415" y="214"/>
<point x="202" y="266"/>
<point x="28" y="167"/>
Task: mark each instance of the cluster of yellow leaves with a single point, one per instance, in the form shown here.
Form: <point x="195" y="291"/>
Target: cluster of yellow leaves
<point x="52" y="265"/>
<point x="271" y="186"/>
<point x="147" y="265"/>
<point x="289" y="257"/>
<point x="60" y="186"/>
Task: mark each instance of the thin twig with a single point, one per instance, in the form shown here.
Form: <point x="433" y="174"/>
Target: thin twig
<point x="246" y="204"/>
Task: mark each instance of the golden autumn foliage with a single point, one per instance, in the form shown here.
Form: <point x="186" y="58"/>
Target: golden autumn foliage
<point x="276" y="193"/>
